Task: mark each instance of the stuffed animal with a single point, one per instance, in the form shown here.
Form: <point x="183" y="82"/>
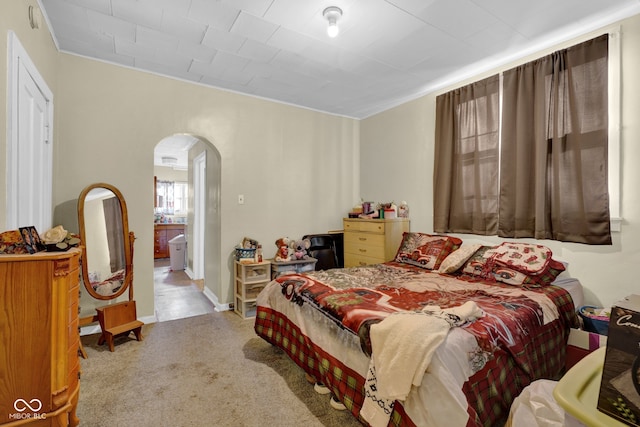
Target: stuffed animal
<point x="283" y="253"/>
<point x="300" y="248"/>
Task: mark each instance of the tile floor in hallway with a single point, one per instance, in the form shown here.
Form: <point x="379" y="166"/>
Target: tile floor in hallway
<point x="176" y="295"/>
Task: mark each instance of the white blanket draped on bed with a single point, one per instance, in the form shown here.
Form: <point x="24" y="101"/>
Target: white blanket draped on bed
<point x="402" y="346"/>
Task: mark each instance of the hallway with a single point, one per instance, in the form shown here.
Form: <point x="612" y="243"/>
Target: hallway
<point x="176" y="295"/>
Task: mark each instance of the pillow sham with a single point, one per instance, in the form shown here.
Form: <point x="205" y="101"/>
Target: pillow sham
<point x="514" y="264"/>
<point x="526" y="258"/>
<point x="425" y="250"/>
<point x="476" y="264"/>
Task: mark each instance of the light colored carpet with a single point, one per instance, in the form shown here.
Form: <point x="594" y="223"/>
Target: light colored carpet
<point x="209" y="370"/>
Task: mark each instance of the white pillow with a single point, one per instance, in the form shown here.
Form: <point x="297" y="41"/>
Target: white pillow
<point x="457" y="258"/>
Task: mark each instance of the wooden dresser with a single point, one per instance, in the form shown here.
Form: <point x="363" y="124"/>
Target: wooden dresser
<point x="162" y="233"/>
<point x="372" y="241"/>
<point x="39" y="339"/>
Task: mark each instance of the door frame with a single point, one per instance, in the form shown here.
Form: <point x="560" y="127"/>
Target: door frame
<point x="199" y="213"/>
<point x="17" y="57"/>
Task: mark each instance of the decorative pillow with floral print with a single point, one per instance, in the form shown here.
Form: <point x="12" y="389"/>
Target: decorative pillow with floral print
<point x="425" y="250"/>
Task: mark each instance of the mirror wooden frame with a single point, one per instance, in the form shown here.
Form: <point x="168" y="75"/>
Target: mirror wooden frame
<point x="127" y="236"/>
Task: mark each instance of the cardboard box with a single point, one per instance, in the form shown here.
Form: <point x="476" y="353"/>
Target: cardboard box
<point x="620" y="386"/>
<point x="580" y="344"/>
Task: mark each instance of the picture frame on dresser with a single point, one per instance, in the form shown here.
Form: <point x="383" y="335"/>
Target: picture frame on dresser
<point x="31" y="239"/>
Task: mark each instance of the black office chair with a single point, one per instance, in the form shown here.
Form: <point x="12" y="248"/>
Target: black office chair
<point x="323" y="248"/>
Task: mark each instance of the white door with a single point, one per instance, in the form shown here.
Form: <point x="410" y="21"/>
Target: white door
<point x="199" y="209"/>
<point x="29" y="151"/>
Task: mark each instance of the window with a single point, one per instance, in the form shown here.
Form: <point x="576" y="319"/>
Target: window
<point x="466" y="165"/>
<point x="552" y="158"/>
<point x="172" y="197"/>
<point x="164" y="197"/>
<point x="180" y="198"/>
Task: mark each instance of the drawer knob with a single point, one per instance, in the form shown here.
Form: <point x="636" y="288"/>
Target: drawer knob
<point x="362" y="250"/>
<point x="362" y="238"/>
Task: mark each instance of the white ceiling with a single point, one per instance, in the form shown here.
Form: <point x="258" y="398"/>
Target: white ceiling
<point x="173" y="147"/>
<point x="387" y="52"/>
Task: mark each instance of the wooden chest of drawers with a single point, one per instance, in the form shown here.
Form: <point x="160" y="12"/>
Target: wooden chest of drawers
<point x="372" y="241"/>
<point x="39" y="363"/>
<point x="162" y="234"/>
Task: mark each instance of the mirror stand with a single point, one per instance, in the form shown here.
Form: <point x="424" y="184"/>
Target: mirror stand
<point x="120" y="318"/>
<point x="107" y="259"/>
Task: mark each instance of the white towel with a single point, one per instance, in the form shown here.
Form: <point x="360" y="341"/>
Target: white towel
<point x="402" y="347"/>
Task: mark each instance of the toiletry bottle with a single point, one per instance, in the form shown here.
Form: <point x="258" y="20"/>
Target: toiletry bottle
<point x="403" y="210"/>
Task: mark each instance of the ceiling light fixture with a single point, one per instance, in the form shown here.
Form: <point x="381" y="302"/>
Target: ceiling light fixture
<point x="169" y="161"/>
<point x="332" y="14"/>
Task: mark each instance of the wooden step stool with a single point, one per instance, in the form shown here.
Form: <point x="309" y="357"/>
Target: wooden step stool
<point x="118" y="319"/>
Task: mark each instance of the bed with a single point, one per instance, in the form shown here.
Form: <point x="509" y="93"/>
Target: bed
<point x="445" y="334"/>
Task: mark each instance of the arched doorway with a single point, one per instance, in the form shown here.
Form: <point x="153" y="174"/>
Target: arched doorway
<point x="187" y="292"/>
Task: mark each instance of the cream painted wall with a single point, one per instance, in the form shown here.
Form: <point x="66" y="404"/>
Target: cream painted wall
<point x="396" y="163"/>
<point x="296" y="168"/>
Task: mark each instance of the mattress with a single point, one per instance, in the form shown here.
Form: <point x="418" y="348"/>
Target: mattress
<point x="322" y="321"/>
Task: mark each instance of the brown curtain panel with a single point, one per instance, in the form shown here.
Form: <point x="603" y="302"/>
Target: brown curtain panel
<point x="115" y="234"/>
<point x="465" y="182"/>
<point x="553" y="169"/>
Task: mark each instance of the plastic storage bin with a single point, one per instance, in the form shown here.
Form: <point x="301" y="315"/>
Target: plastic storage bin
<point x="178" y="252"/>
<point x="245" y="254"/>
<point x="578" y="390"/>
<point x="593" y="322"/>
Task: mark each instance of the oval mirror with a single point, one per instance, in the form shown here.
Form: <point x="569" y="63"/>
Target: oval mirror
<point x="107" y="264"/>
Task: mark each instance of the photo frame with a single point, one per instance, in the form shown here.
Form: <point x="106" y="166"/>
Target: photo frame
<point x="31" y="239"/>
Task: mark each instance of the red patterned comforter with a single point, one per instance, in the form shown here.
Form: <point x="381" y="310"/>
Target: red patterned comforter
<point x="520" y="338"/>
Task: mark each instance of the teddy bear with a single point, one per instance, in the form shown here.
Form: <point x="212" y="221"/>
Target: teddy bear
<point x="282" y="253"/>
<point x="299" y="248"/>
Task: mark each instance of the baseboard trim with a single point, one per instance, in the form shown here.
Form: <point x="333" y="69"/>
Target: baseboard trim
<point x="214" y="300"/>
